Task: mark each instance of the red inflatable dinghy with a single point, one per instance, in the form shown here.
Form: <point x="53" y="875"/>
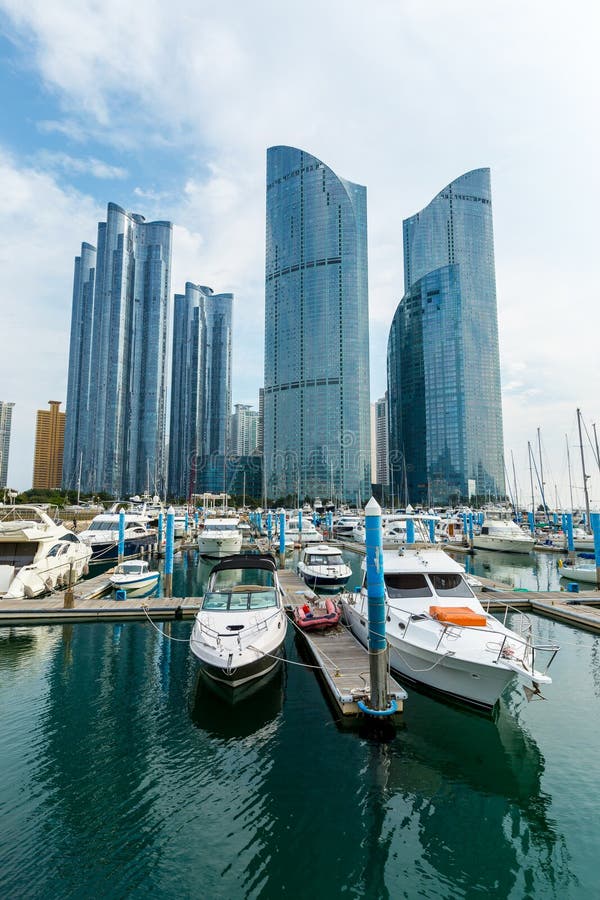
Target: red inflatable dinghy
<point x="311" y="617"/>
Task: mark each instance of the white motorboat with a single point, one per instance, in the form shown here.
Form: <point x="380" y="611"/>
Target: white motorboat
<point x="395" y="528"/>
<point x="220" y="537"/>
<point x="102" y="535"/>
<point x="134" y="575"/>
<point x="241" y="625"/>
<point x="503" y="534"/>
<point x="578" y="570"/>
<point x="582" y="541"/>
<point x="37" y="554"/>
<point x="322" y="566"/>
<point x="345" y="526"/>
<point x="308" y="535"/>
<point x="440" y="636"/>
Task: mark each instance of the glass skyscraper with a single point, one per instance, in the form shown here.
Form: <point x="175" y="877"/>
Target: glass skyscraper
<point x="6" y="409"/>
<point x="200" y="386"/>
<point x="316" y="392"/>
<point x="445" y="410"/>
<point x="116" y="418"/>
<point x="78" y="386"/>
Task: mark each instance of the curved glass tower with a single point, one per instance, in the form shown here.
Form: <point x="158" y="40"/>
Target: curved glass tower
<point x="316" y="394"/>
<point x="445" y="409"/>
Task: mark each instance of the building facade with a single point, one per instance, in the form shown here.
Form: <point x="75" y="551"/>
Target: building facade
<point x="49" y="447"/>
<point x="316" y="392"/>
<point x="200" y="385"/>
<point x="381" y="441"/>
<point x="6" y="409"/>
<point x="78" y="384"/>
<point x="445" y="411"/>
<point x="116" y="415"/>
<point x="244" y="430"/>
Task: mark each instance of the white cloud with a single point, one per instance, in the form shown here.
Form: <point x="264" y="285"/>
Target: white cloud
<point x="55" y="160"/>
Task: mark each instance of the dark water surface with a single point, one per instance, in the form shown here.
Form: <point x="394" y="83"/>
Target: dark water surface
<point x="122" y="774"/>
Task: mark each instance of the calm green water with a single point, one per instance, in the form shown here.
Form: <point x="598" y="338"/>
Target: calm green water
<point x="123" y="775"/>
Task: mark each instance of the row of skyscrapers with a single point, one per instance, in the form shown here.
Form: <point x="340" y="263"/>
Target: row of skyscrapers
<point x="443" y="418"/>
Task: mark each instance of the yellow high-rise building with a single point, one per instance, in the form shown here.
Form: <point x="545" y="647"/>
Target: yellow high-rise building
<point x="49" y="446"/>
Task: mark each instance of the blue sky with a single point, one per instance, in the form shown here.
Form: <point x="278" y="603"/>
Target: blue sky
<point x="168" y="110"/>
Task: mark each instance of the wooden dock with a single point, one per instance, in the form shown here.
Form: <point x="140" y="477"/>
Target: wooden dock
<point x="342" y="660"/>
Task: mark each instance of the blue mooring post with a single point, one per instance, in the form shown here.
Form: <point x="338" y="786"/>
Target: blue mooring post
<point x="432" y="531"/>
<point x="376" y="594"/>
<point x="531" y="520"/>
<point x="410" y="530"/>
<point x="281" y="540"/>
<point x="169" y="552"/>
<point x="121" y="548"/>
<point x="269" y="527"/>
<point x="187" y="522"/>
<point x="569" y="531"/>
<point x="196" y="517"/>
<point x="470" y="519"/>
<point x="465" y="528"/>
<point x="300" y="524"/>
<point x="160" y="532"/>
<point x="595" y="523"/>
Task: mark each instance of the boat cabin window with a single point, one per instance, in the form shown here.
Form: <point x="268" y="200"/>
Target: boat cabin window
<point x="217" y="527"/>
<point x="70" y="538"/>
<point x="228" y="579"/>
<point x="17" y="553"/>
<point x="450" y="585"/>
<point x="132" y="568"/>
<point x="317" y="559"/>
<point x="406" y="584"/>
<point x="239" y="601"/>
<point x="54" y="550"/>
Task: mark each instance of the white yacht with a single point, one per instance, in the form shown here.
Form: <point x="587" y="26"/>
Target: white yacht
<point x="582" y="541"/>
<point x="503" y="534"/>
<point x="344" y="527"/>
<point x="309" y="534"/>
<point x="220" y="537"/>
<point x="102" y="535"/>
<point x="241" y="625"/>
<point x="36" y="554"/>
<point x="441" y="637"/>
<point x="322" y="566"/>
<point x="578" y="570"/>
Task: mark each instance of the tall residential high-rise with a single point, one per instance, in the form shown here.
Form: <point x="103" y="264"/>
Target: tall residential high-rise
<point x="381" y="441"/>
<point x="78" y="386"/>
<point x="6" y="409"/>
<point x="244" y="430"/>
<point x="260" y="432"/>
<point x="200" y="385"/>
<point x="445" y="409"/>
<point x="117" y="372"/>
<point x="49" y="446"/>
<point x="316" y="400"/>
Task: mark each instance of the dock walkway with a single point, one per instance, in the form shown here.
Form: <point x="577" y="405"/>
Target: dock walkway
<point x="342" y="660"/>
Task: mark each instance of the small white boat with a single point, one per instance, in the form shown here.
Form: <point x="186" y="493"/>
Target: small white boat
<point x="441" y="637"/>
<point x="582" y="541"/>
<point x="503" y="534"/>
<point x="578" y="571"/>
<point x="322" y="566"/>
<point x="241" y="625"/>
<point x="220" y="537"/>
<point x="133" y="575"/>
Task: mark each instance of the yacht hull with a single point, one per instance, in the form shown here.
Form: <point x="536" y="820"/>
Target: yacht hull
<point x="220" y="546"/>
<point x="242" y="674"/>
<point x="107" y="550"/>
<point x="504" y="545"/>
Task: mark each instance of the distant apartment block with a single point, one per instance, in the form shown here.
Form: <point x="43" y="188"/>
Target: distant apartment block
<point x="6" y="409"/>
<point x="49" y="446"/>
<point x="244" y="430"/>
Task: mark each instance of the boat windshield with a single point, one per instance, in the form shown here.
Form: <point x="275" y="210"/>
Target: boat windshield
<point x="132" y="568"/>
<point x="228" y="579"/>
<point x="450" y="585"/>
<point x="103" y="526"/>
<point x="324" y="560"/>
<point x="239" y="601"/>
<point x="217" y="527"/>
<point x="406" y="584"/>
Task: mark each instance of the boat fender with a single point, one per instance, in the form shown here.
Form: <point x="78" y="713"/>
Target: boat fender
<point x="120" y="594"/>
<point x="392" y="708"/>
<point x="330" y="607"/>
<point x="178" y="613"/>
<point x="560" y="564"/>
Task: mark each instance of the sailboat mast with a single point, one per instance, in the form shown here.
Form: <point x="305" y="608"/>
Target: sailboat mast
<point x="531" y="480"/>
<point x="542" y="475"/>
<point x="569" y="469"/>
<point x="585" y="477"/>
<point x="512" y="457"/>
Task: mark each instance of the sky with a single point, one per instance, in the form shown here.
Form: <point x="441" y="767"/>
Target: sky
<point x="167" y="110"/>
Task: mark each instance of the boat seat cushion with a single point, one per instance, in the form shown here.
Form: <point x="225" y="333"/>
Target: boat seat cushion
<point x="458" y="615"/>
